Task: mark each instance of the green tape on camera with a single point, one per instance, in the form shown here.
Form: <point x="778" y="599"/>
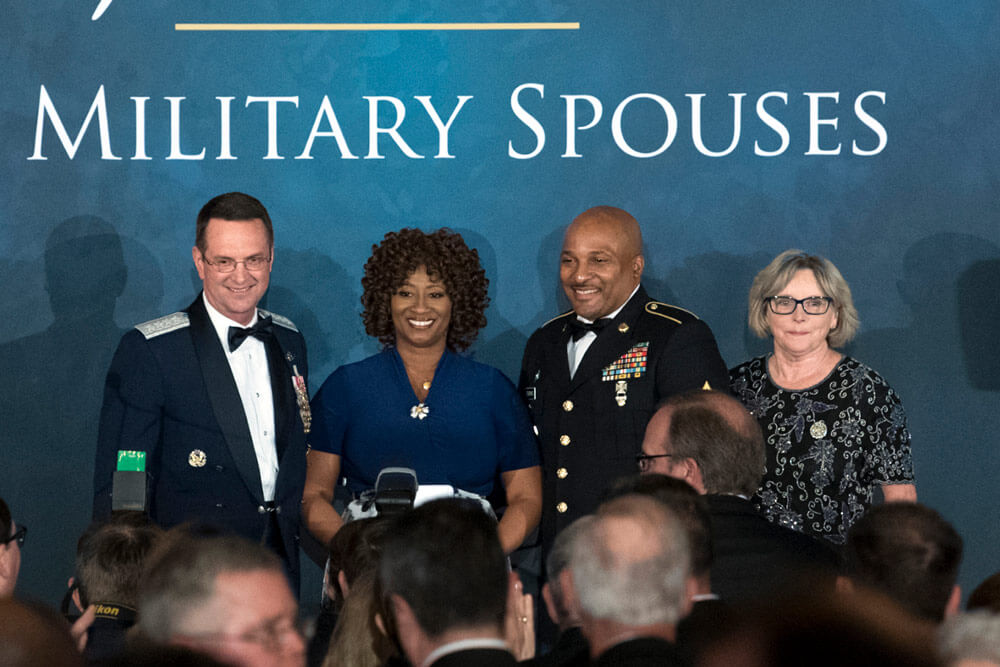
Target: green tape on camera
<point x="131" y="460"/>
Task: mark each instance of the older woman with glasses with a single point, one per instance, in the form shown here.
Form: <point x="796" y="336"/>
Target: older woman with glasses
<point x="835" y="430"/>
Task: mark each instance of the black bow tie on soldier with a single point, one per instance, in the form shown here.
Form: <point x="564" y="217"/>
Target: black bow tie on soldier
<point x="263" y="330"/>
<point x="580" y="328"/>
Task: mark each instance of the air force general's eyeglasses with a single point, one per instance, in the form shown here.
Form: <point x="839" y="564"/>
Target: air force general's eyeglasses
<point x="228" y="265"/>
<point x="811" y="305"/>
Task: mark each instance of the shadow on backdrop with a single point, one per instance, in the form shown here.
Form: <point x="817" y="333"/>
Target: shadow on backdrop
<point x="978" y="289"/>
<point x="52" y="399"/>
<point x="935" y="363"/>
<point x="316" y="293"/>
<point x="715" y="286"/>
<point x="500" y="344"/>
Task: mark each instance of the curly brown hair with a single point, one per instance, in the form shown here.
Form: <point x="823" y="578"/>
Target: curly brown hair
<point x="447" y="258"/>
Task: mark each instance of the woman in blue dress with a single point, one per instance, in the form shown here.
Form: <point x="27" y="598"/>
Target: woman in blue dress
<point x="418" y="403"/>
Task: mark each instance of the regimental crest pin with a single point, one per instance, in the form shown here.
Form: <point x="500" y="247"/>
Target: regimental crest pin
<point x="621" y="392"/>
<point x="197" y="458"/>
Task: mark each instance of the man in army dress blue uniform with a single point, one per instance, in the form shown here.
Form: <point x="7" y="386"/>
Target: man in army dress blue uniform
<point x="215" y="395"/>
<point x="593" y="377"/>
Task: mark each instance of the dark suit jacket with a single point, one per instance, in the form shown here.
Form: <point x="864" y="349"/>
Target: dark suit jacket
<point x="708" y="623"/>
<point x="590" y="427"/>
<point x="640" y="652"/>
<point x="571" y="650"/>
<point x="170" y="393"/>
<point x="477" y="657"/>
<point x="753" y="556"/>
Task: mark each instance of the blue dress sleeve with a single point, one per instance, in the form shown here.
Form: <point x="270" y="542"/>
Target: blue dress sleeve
<point x="329" y="415"/>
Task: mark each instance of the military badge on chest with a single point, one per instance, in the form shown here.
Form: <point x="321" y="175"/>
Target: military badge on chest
<point x="629" y="366"/>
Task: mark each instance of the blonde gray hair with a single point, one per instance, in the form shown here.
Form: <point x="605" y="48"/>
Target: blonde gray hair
<point x="612" y="584"/>
<point x="773" y="278"/>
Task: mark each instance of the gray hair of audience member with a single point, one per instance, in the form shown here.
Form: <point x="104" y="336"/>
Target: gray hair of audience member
<point x="907" y="551"/>
<point x="110" y="561"/>
<point x="973" y="636"/>
<point x="688" y="506"/>
<point x="724" y="439"/>
<point x="632" y="563"/>
<point x="180" y="578"/>
<point x="444" y="559"/>
<point x="559" y="559"/>
<point x="775" y="276"/>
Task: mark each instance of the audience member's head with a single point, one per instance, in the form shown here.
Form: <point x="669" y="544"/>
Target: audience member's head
<point x="222" y="595"/>
<point x="910" y="553"/>
<point x="709" y="440"/>
<point x="688" y="506"/>
<point x="10" y="551"/>
<point x="355" y="550"/>
<point x="986" y="595"/>
<point x="442" y="577"/>
<point x="858" y="628"/>
<point x="110" y="561"/>
<point x="557" y="591"/>
<point x="32" y="636"/>
<point x="357" y="641"/>
<point x="630" y="572"/>
<point x="971" y="639"/>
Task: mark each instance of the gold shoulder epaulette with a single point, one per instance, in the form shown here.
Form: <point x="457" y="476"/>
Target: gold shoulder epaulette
<point x="278" y="319"/>
<point x="568" y="312"/>
<point x="162" y="325"/>
<point x="664" y="310"/>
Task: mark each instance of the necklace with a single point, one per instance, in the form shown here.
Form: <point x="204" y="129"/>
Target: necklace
<point x="420" y="410"/>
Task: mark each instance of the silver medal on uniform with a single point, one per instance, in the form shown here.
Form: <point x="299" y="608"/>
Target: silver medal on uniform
<point x="621" y="392"/>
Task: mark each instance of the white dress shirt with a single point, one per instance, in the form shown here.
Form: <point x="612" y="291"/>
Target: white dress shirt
<point x="253" y="380"/>
<point x="577" y="348"/>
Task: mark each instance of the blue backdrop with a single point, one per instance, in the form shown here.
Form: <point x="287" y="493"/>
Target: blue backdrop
<point x="867" y="132"/>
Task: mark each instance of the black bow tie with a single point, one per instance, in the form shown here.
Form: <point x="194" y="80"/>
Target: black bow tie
<point x="580" y="328"/>
<point x="263" y="330"/>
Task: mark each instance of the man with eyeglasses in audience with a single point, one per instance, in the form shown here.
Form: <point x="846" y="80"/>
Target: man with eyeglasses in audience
<point x="214" y="397"/>
<point x="223" y="596"/>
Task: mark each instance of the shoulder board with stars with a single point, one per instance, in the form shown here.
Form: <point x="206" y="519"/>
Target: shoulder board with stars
<point x="162" y="325"/>
<point x="278" y="319"/>
<point x="664" y="310"/>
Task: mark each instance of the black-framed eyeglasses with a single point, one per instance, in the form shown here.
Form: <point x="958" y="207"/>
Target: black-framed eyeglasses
<point x="18" y="535"/>
<point x="811" y="305"/>
<point x="645" y="460"/>
<point x="228" y="265"/>
<point x="271" y="636"/>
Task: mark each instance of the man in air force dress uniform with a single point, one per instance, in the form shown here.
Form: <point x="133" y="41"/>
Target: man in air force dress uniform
<point x="215" y="395"/>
